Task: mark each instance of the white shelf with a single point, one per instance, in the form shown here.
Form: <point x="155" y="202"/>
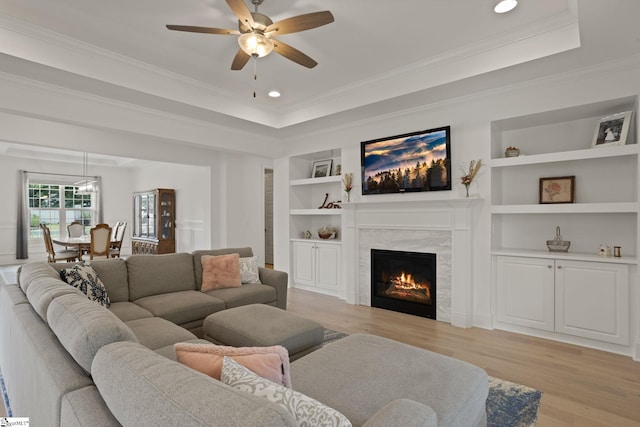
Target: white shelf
<point x="315" y="212"/>
<point x="621" y="207"/>
<point x="530" y="253"/>
<point x="313" y="181"/>
<point x="565" y="156"/>
<point x="318" y="240"/>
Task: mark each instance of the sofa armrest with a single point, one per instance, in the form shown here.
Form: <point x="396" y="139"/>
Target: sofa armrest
<point x="404" y="412"/>
<point x="279" y="280"/>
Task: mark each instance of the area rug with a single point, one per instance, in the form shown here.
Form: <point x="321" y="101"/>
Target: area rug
<point x="5" y="396"/>
<point x="508" y="404"/>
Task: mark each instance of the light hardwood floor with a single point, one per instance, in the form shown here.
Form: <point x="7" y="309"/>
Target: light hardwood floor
<point x="581" y="387"/>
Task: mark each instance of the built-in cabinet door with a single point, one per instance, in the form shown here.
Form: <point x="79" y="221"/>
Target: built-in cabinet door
<point x="525" y="292"/>
<point x="304" y="263"/>
<point x="328" y="266"/>
<point x="592" y="300"/>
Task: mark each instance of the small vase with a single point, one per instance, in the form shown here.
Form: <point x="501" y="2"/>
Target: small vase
<point x="348" y="196"/>
<point x="467" y="188"/>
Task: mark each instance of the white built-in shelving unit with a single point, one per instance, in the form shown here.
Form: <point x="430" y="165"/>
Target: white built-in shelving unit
<point x="538" y="290"/>
<point x="316" y="263"/>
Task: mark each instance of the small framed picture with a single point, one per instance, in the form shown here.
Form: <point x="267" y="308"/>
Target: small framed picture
<point x="560" y="189"/>
<point x="321" y="168"/>
<point x="612" y="130"/>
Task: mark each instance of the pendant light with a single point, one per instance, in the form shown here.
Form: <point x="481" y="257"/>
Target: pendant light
<point x="86" y="186"/>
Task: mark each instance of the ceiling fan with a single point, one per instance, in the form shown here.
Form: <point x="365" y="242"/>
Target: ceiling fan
<point x="257" y="33"/>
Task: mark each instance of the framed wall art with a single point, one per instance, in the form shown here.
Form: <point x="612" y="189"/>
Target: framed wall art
<point x="612" y="130"/>
<point x="321" y="168"/>
<point x="559" y="189"/>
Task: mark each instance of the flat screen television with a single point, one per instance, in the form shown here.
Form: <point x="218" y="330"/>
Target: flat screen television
<point x="417" y="161"/>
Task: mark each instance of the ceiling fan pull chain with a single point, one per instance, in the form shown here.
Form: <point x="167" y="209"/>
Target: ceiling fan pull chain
<point x="255" y="74"/>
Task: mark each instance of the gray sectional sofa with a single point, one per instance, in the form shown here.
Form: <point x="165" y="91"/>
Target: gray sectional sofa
<point x="68" y="361"/>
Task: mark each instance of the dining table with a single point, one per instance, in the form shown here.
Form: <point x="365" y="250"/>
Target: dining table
<point x="82" y="243"/>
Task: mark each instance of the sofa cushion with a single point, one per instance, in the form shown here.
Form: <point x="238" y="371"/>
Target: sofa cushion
<point x="84" y="278"/>
<point x="112" y="272"/>
<point x="268" y="362"/>
<point x="83" y="327"/>
<point x="181" y="307"/>
<point x="249" y="270"/>
<point x="155" y="333"/>
<point x="27" y="273"/>
<point x="244" y="295"/>
<point x="306" y="411"/>
<point x="85" y="407"/>
<point x="220" y="271"/>
<point x="141" y="387"/>
<point x="43" y="290"/>
<point x="197" y="263"/>
<point x="159" y="274"/>
<point x="126" y="311"/>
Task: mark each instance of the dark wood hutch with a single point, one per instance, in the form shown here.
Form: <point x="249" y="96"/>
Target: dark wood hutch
<point x="154" y="213"/>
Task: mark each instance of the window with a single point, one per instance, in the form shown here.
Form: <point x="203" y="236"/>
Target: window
<point x="57" y="206"/>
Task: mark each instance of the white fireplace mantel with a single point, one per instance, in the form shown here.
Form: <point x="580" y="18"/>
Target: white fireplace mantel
<point x="443" y="226"/>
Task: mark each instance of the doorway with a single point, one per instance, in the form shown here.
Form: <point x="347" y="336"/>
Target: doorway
<point x="268" y="218"/>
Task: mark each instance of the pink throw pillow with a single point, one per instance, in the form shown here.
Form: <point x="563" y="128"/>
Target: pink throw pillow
<point x="267" y="362"/>
<point x="222" y="271"/>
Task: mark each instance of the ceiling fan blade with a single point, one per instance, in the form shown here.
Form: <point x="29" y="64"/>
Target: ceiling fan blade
<point x="293" y="54"/>
<point x="300" y="23"/>
<point x="192" y="29"/>
<point x="242" y="12"/>
<point x="240" y="60"/>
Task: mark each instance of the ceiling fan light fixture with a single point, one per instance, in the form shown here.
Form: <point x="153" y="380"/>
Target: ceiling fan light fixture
<point x="255" y="44"/>
<point x="505" y="6"/>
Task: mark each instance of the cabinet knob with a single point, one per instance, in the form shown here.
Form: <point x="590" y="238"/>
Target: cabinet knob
<point x="559" y="267"/>
<point x="549" y="266"/>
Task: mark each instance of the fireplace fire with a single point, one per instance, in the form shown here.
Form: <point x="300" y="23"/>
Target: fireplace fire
<point x="404" y="281"/>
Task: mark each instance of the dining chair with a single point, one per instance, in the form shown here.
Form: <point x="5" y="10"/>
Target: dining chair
<point x="75" y="229"/>
<point x="52" y="255"/>
<point x="116" y="242"/>
<point x="100" y="241"/>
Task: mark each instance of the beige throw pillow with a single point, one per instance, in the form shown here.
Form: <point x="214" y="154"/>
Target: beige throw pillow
<point x="221" y="271"/>
<point x="249" y="272"/>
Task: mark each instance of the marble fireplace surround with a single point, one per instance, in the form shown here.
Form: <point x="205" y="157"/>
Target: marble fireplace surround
<point x="443" y="227"/>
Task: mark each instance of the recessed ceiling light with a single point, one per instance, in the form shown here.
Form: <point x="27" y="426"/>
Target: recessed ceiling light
<point x="274" y="94"/>
<point x="505" y="6"/>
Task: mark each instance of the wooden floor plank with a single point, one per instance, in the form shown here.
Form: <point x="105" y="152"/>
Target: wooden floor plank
<point x="581" y="386"/>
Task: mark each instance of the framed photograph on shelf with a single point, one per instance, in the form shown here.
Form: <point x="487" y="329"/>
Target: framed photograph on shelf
<point x="612" y="130"/>
<point x="560" y="189"/>
<point x="321" y="168"/>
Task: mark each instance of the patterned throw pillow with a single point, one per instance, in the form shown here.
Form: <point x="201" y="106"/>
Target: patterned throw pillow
<point x="249" y="270"/>
<point x="85" y="278"/>
<point x="306" y="411"/>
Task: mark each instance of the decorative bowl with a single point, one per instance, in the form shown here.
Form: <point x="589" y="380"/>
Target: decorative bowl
<point x="327" y="232"/>
<point x="512" y="152"/>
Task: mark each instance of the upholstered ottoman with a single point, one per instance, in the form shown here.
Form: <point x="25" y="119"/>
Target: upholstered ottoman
<point x="264" y="325"/>
<point x="360" y="374"/>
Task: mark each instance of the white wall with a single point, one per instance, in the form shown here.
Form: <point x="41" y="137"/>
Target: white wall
<point x="193" y="200"/>
<point x="470" y="118"/>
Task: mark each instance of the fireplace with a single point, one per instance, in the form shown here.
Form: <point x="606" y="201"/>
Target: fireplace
<point x="404" y="281"/>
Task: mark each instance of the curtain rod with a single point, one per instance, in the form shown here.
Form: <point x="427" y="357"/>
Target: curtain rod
<point x="61" y="174"/>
